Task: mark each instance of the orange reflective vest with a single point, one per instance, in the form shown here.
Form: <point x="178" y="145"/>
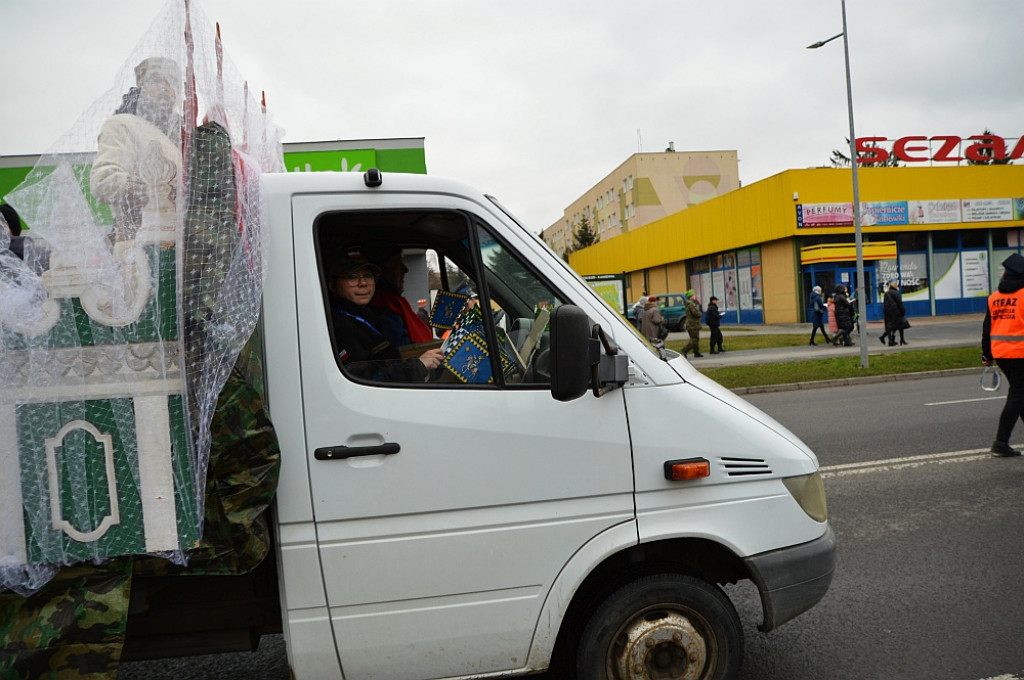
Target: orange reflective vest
<point x="1007" y="331"/>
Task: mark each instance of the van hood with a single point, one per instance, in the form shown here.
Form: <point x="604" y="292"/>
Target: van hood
<point x="705" y="384"/>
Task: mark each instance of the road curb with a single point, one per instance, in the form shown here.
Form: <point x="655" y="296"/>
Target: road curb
<point x="840" y="382"/>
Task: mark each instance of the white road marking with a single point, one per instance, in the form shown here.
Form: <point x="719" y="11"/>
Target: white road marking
<point x="963" y="401"/>
<point x="888" y="464"/>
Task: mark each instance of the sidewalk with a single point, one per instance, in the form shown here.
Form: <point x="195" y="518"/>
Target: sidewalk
<point x="929" y="332"/>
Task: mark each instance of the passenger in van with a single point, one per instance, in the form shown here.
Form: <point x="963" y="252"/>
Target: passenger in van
<point x="362" y="348"/>
<point x="399" y="322"/>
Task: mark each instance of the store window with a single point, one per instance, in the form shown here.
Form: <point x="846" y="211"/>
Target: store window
<point x="1007" y="238"/>
<point x="945" y="240"/>
<point x="912" y="241"/>
<point x="733" y="277"/>
<point x="975" y="238"/>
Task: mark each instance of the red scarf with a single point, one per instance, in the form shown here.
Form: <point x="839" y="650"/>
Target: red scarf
<point x="418" y="331"/>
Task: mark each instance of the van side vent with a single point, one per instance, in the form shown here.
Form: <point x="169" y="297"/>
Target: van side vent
<point x="744" y="467"/>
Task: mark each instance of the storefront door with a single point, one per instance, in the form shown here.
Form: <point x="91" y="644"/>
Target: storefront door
<point x="870" y="292"/>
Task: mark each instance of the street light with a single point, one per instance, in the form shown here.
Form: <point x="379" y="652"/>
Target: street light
<point x="861" y="302"/>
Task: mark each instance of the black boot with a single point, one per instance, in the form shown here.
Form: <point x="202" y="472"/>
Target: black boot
<point x="1003" y="450"/>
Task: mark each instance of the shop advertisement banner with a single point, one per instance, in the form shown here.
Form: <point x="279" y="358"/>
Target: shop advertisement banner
<point x="731" y="293"/>
<point x="895" y="213"/>
<point x="987" y="209"/>
<point x="610" y="287"/>
<point x="712" y="285"/>
<point x="755" y="286"/>
<point x="934" y="212"/>
<point x="746" y="289"/>
<point x="947" y="281"/>
<point x="883" y="213"/>
<point x="975" y="270"/>
<point x="815" y="215"/>
<point x="914" y="276"/>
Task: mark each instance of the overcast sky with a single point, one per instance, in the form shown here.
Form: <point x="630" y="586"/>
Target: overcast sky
<point x="537" y="101"/>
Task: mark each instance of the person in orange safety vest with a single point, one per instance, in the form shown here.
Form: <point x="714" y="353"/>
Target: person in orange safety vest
<point x="1002" y="342"/>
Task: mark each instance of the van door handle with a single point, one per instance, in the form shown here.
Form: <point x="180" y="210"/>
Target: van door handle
<point x="341" y="452"/>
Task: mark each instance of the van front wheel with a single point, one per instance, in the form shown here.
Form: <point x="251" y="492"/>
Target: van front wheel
<point x="662" y="626"/>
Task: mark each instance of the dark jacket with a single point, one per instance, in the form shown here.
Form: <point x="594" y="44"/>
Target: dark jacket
<point x="817" y="307"/>
<point x="844" y="312"/>
<point x="712" y="317"/>
<point x="1010" y="283"/>
<point x="892" y="306"/>
<point x="363" y="350"/>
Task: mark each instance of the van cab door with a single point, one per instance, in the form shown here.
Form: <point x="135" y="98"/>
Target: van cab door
<point x="445" y="508"/>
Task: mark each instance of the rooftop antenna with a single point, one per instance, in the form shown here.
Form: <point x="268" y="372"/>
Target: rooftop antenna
<point x="639" y="142"/>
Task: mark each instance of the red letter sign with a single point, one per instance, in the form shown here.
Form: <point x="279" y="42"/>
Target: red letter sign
<point x="902" y="151"/>
<point x="995" y="145"/>
<point x="948" y="145"/>
<point x="870" y="154"/>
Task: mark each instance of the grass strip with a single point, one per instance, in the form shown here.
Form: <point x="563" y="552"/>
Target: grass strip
<point x="834" y="368"/>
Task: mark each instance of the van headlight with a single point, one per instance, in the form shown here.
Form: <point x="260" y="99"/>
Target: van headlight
<point x="809" y="492"/>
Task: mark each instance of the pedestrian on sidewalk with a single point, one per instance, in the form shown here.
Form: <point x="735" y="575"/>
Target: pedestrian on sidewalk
<point x="692" y="324"/>
<point x="817" y="315"/>
<point x="651" y="321"/>
<point x="844" y="317"/>
<point x="713" y="318"/>
<point x="895" y="315"/>
<point x="1002" y="342"/>
<point x="830" y="309"/>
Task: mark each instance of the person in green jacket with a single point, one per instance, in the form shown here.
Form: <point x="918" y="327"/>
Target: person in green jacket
<point x="692" y="324"/>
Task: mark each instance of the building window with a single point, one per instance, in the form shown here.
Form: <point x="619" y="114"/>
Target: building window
<point x="973" y="238"/>
<point x="945" y="240"/>
<point x="911" y="241"/>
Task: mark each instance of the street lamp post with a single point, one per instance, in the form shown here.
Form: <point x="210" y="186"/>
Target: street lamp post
<point x="861" y="302"/>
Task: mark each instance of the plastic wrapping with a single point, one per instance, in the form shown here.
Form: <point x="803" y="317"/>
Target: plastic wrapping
<point x="118" y="335"/>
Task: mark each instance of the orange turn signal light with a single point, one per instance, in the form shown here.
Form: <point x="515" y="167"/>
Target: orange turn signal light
<point x="691" y="468"/>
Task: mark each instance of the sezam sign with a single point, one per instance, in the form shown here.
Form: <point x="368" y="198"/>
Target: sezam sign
<point x="940" y="148"/>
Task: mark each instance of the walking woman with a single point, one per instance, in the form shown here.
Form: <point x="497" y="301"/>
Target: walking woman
<point x="817" y="315"/>
<point x="844" y="317"/>
<point x="895" y="315"/>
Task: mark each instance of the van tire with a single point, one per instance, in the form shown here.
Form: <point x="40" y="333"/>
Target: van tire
<point x="662" y="625"/>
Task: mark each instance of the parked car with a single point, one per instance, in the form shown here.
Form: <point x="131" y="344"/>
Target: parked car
<point x="672" y="307"/>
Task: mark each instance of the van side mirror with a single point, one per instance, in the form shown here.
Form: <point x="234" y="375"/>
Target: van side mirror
<point x="576" y="361"/>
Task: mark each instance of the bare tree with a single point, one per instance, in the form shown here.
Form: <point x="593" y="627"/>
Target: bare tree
<point x="841" y="160"/>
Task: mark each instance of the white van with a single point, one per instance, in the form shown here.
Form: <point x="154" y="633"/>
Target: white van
<point x="540" y="509"/>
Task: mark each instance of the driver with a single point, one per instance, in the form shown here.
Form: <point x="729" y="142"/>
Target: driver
<point x="361" y="347"/>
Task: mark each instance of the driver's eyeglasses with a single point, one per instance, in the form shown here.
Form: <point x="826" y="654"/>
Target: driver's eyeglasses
<point x="359" y="277"/>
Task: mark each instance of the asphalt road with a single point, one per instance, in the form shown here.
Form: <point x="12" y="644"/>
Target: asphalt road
<point x="929" y="526"/>
<point x="929" y="530"/>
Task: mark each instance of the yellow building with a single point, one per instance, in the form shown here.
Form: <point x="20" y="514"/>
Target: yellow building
<point x="941" y="232"/>
<point x="645" y="188"/>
